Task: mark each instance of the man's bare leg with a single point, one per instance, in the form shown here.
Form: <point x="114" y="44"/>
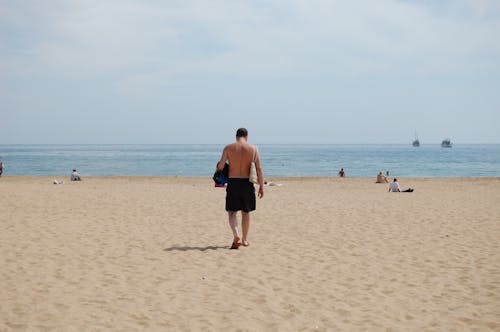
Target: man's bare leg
<point x="233" y="223"/>
<point x="245" y="226"/>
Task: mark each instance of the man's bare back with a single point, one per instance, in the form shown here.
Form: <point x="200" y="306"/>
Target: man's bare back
<point x="239" y="155"/>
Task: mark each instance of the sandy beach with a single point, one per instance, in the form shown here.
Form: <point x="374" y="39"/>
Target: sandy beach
<point x="325" y="254"/>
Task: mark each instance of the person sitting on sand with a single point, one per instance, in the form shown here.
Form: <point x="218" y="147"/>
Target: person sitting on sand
<point x="394" y="187"/>
<point x="75" y="176"/>
<point x="272" y="184"/>
<point x="341" y="173"/>
<point x="381" y="178"/>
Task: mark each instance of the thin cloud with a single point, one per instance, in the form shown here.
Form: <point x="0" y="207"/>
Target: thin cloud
<point x="252" y="39"/>
<point x="323" y="56"/>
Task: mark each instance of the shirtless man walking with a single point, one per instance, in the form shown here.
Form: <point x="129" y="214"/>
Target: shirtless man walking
<point x="240" y="192"/>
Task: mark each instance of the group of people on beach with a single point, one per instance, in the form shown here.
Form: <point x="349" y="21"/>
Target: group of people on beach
<point x="394" y="186"/>
<point x="381" y="178"/>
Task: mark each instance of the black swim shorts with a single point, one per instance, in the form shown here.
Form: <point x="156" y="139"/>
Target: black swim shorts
<point x="240" y="195"/>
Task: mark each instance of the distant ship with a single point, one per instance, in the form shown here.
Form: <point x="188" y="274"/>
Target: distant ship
<point x="416" y="142"/>
<point x="446" y="143"/>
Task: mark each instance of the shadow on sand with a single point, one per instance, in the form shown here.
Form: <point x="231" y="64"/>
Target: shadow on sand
<point x="195" y="248"/>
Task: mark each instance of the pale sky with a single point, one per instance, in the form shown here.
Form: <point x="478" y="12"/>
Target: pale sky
<point x="118" y="71"/>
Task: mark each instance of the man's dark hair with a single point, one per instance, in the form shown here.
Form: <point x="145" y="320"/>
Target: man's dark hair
<point x="241" y="132"/>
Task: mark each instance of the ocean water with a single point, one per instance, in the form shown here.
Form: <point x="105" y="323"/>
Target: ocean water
<point x="278" y="160"/>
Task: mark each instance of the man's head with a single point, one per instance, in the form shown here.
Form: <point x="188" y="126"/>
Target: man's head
<point x="241" y="132"/>
<point x="395" y="180"/>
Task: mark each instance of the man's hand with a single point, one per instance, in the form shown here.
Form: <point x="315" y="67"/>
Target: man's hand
<point x="261" y="191"/>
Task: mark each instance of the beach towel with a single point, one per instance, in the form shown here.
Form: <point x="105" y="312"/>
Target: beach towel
<point x="221" y="177"/>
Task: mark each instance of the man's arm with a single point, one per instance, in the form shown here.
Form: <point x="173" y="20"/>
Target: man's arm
<point x="260" y="175"/>
<point x="223" y="158"/>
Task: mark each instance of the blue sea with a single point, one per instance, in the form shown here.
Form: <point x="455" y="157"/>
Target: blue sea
<point x="473" y="160"/>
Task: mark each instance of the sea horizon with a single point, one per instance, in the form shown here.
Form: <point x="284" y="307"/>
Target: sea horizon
<point x="250" y="142"/>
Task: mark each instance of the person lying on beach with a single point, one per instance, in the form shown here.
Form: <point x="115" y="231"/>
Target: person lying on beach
<point x="272" y="184"/>
<point x="381" y="178"/>
<point x="394" y="187"/>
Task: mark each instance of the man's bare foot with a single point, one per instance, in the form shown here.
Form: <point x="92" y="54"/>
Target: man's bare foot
<point x="236" y="243"/>
<point x="245" y="243"/>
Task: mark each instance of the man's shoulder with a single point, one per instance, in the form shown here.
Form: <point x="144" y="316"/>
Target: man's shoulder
<point x="230" y="146"/>
<point x="240" y="145"/>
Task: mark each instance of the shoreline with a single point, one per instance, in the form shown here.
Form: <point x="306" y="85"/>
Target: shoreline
<point x="291" y="178"/>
